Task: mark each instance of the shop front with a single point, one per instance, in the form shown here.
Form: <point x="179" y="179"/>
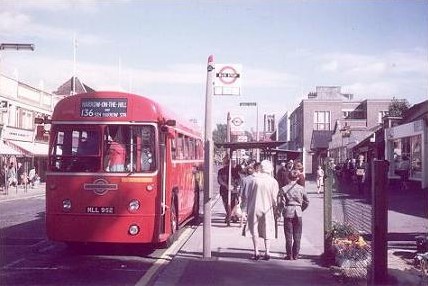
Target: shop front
<point x="408" y="142"/>
<point x="30" y="153"/>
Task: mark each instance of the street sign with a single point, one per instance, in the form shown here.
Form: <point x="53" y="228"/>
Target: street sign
<point x="228" y="79"/>
<point x="248" y="104"/>
<point x="242" y="138"/>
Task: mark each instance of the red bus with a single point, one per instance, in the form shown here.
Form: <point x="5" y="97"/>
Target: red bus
<point x="122" y="169"/>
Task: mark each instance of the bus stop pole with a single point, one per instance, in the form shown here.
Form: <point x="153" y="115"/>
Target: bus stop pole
<point x="208" y="178"/>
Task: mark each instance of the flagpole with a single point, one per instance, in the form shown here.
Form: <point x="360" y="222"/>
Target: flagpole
<point x="73" y="91"/>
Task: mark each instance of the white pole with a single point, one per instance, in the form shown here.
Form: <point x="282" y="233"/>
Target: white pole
<point x="120" y="72"/>
<point x="73" y="91"/>
<point x="257" y="132"/>
<point x="229" y="180"/>
<point x="208" y="180"/>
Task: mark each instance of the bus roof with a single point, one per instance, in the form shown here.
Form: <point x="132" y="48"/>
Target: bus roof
<point x="108" y="106"/>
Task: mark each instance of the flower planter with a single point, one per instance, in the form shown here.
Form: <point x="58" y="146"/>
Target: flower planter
<point x="349" y="256"/>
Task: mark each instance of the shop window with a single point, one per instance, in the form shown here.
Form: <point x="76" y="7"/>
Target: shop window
<point x="416" y="156"/>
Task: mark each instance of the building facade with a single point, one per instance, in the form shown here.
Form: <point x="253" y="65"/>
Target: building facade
<point x="329" y="111"/>
<point x="21" y="105"/>
<point x="21" y="140"/>
<point x="269" y="126"/>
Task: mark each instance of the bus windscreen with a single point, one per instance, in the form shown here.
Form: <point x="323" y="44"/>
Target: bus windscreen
<point x="109" y="148"/>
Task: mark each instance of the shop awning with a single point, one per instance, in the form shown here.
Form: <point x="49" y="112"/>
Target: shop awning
<point x="6" y="150"/>
<point x="31" y="148"/>
<point x="320" y="139"/>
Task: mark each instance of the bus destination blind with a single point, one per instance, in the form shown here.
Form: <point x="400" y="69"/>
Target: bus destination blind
<point x="103" y="107"/>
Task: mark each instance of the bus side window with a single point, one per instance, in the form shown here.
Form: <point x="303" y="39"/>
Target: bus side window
<point x="192" y="149"/>
<point x="180" y="147"/>
<point x="147" y="154"/>
<point x="173" y="148"/>
<point x="199" y="149"/>
<point x="186" y="148"/>
<point x="59" y="143"/>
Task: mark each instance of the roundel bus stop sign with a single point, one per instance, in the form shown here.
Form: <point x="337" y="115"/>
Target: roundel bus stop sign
<point x="237" y="121"/>
<point x="227" y="79"/>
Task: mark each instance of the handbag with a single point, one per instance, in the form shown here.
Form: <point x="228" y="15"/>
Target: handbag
<point x="360" y="172"/>
<point x="237" y="210"/>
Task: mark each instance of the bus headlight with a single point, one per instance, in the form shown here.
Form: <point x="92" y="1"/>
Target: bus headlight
<point x="133" y="206"/>
<point x="66" y="205"/>
<point x="133" y="229"/>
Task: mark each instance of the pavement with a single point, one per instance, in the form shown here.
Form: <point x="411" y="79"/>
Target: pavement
<point x="230" y="262"/>
<point x="17" y="193"/>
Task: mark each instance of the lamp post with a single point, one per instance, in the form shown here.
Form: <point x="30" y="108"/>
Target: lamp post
<point x="257" y="123"/>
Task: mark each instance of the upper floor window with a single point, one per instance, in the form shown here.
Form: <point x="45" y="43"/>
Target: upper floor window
<point x="346" y="113"/>
<point x="322" y="120"/>
<point x="381" y="114"/>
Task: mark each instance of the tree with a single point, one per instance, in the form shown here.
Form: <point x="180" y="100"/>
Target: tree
<point x="219" y="134"/>
<point x="398" y="107"/>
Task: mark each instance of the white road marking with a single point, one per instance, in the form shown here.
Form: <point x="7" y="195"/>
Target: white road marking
<point x="165" y="258"/>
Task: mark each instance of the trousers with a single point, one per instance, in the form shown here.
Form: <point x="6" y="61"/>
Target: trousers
<point x="293" y="234"/>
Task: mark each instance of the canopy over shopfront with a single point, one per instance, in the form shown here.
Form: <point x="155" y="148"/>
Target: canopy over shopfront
<point x="251" y="145"/>
<point x="269" y="149"/>
<point x="30" y="148"/>
<point x="8" y="151"/>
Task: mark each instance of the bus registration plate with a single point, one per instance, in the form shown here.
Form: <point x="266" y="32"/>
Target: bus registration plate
<point x="100" y="210"/>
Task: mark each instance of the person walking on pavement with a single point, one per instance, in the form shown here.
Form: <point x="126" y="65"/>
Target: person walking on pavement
<point x="403" y="171"/>
<point x="320" y="179"/>
<point x="261" y="197"/>
<point x="245" y="182"/>
<point x="301" y="179"/>
<point x="11" y="176"/>
<point x="282" y="175"/>
<point x="32" y="176"/>
<point x="20" y="174"/>
<point x="294" y="200"/>
<point x="223" y="181"/>
<point x="360" y="174"/>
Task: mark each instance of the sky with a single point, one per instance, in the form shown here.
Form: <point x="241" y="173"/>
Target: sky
<point x="159" y="49"/>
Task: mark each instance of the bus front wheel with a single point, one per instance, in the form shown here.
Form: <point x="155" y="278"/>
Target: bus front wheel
<point x="173" y="224"/>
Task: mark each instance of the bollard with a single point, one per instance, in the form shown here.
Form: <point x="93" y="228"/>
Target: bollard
<point x="379" y="266"/>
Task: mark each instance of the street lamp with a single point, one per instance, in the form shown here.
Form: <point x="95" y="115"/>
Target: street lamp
<point x="257" y="123"/>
